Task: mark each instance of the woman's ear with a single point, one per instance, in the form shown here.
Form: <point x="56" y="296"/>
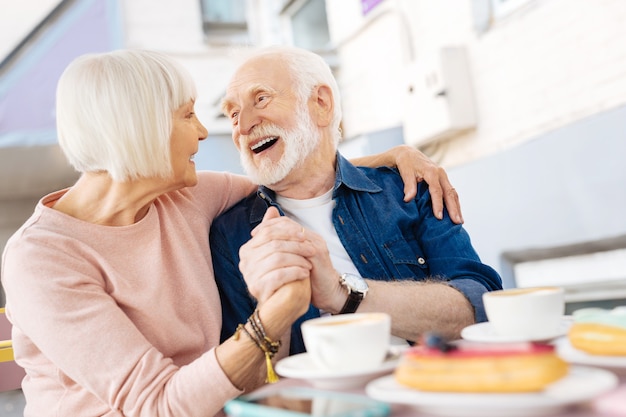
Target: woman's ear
<point x="323" y="105"/>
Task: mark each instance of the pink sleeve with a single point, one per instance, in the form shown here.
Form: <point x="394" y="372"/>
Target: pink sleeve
<point x="211" y="396"/>
<point x="219" y="191"/>
<point x="74" y="325"/>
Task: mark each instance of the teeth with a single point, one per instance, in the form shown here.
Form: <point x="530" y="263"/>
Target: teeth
<point x="263" y="142"/>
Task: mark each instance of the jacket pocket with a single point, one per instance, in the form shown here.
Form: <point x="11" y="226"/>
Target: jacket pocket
<point x="407" y="258"/>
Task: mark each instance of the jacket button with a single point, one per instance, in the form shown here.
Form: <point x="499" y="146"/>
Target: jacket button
<point x="421" y="261"/>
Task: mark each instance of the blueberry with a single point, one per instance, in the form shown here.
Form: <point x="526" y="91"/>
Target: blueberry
<point x="435" y="341"/>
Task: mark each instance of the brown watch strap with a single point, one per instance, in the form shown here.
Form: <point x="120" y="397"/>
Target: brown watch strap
<point x="352" y="303"/>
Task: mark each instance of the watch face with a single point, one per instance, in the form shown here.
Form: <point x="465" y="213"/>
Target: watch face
<point x="355" y="282"/>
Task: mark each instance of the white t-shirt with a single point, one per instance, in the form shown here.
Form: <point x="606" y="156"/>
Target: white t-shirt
<point x="316" y="214"/>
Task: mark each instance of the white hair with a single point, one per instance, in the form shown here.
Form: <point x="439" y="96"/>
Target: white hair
<point x="114" y="112"/>
<point x="308" y="70"/>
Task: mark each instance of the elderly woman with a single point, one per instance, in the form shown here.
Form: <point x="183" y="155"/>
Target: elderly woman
<point x="109" y="284"/>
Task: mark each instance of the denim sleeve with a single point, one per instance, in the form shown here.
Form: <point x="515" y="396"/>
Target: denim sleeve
<point x="451" y="256"/>
<point x="237" y="303"/>
<point x="473" y="291"/>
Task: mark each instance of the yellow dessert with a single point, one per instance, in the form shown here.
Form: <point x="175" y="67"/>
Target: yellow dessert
<point x="599" y="331"/>
<point x="485" y="368"/>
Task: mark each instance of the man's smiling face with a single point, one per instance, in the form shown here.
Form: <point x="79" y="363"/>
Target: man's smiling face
<point x="272" y="128"/>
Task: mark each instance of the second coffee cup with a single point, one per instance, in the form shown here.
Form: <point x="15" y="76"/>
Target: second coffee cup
<point x="525" y="313"/>
<point x="347" y="342"/>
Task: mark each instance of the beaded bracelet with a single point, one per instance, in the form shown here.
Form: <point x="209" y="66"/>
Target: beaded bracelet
<point x="260" y="338"/>
<point x="257" y="326"/>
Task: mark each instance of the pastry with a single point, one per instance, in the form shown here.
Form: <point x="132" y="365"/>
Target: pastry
<point x="474" y="367"/>
<point x="599" y="331"/>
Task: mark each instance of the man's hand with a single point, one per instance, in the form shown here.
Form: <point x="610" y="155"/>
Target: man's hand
<point x="275" y="255"/>
<point x="326" y="291"/>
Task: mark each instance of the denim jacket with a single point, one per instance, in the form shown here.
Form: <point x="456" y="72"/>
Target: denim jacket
<point x="386" y="238"/>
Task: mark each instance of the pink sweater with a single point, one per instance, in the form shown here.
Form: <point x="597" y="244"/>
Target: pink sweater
<point x="121" y="321"/>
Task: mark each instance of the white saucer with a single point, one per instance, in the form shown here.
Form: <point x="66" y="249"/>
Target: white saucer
<point x="580" y="385"/>
<point x="570" y="354"/>
<point x="301" y="367"/>
<point x="484" y="332"/>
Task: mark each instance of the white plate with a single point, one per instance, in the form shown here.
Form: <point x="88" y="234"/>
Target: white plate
<point x="301" y="367"/>
<point x="570" y="354"/>
<point x="484" y="332"/>
<point x="581" y="384"/>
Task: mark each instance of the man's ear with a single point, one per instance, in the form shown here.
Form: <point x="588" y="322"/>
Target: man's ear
<point x="323" y="105"/>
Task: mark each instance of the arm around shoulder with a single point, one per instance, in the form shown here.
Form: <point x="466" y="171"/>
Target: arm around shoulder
<point x="414" y="166"/>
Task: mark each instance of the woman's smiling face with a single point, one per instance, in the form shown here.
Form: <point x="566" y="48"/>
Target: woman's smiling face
<point x="187" y="131"/>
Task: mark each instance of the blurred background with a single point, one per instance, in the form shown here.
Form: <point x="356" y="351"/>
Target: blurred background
<point x="522" y="101"/>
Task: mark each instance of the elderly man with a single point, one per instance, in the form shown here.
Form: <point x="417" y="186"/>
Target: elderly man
<point x="373" y="251"/>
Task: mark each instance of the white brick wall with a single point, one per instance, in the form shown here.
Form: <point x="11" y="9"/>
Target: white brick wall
<point x="554" y="63"/>
<point x="546" y="65"/>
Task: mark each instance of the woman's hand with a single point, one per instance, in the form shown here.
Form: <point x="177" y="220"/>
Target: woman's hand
<point x="414" y="167"/>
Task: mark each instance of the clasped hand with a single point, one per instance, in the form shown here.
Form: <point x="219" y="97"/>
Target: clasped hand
<point x="280" y="252"/>
<point x="277" y="254"/>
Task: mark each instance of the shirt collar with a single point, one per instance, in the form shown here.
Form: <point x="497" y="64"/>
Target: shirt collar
<point x="352" y="177"/>
<point x="346" y="174"/>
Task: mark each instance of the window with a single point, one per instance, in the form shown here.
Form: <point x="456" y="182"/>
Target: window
<point x="309" y="24"/>
<point x="224" y="21"/>
<point x="502" y="8"/>
<point x="487" y="12"/>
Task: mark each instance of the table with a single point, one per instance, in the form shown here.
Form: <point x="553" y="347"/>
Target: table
<point x="590" y="409"/>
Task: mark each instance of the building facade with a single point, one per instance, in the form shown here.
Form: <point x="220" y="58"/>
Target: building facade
<point x="522" y="101"/>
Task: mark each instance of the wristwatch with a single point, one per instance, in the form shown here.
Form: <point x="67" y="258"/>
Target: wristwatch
<point x="357" y="289"/>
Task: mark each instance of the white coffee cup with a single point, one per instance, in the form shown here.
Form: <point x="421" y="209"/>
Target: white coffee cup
<point x="533" y="313"/>
<point x="347" y="342"/>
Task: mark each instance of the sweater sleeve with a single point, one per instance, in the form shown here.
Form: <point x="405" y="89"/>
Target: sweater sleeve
<point x="69" y="327"/>
<point x="219" y="191"/>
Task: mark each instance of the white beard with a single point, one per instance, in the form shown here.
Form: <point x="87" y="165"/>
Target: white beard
<point x="298" y="144"/>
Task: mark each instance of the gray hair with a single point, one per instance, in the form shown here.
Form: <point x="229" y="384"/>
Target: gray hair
<point x="308" y="70"/>
<point x="114" y="112"/>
